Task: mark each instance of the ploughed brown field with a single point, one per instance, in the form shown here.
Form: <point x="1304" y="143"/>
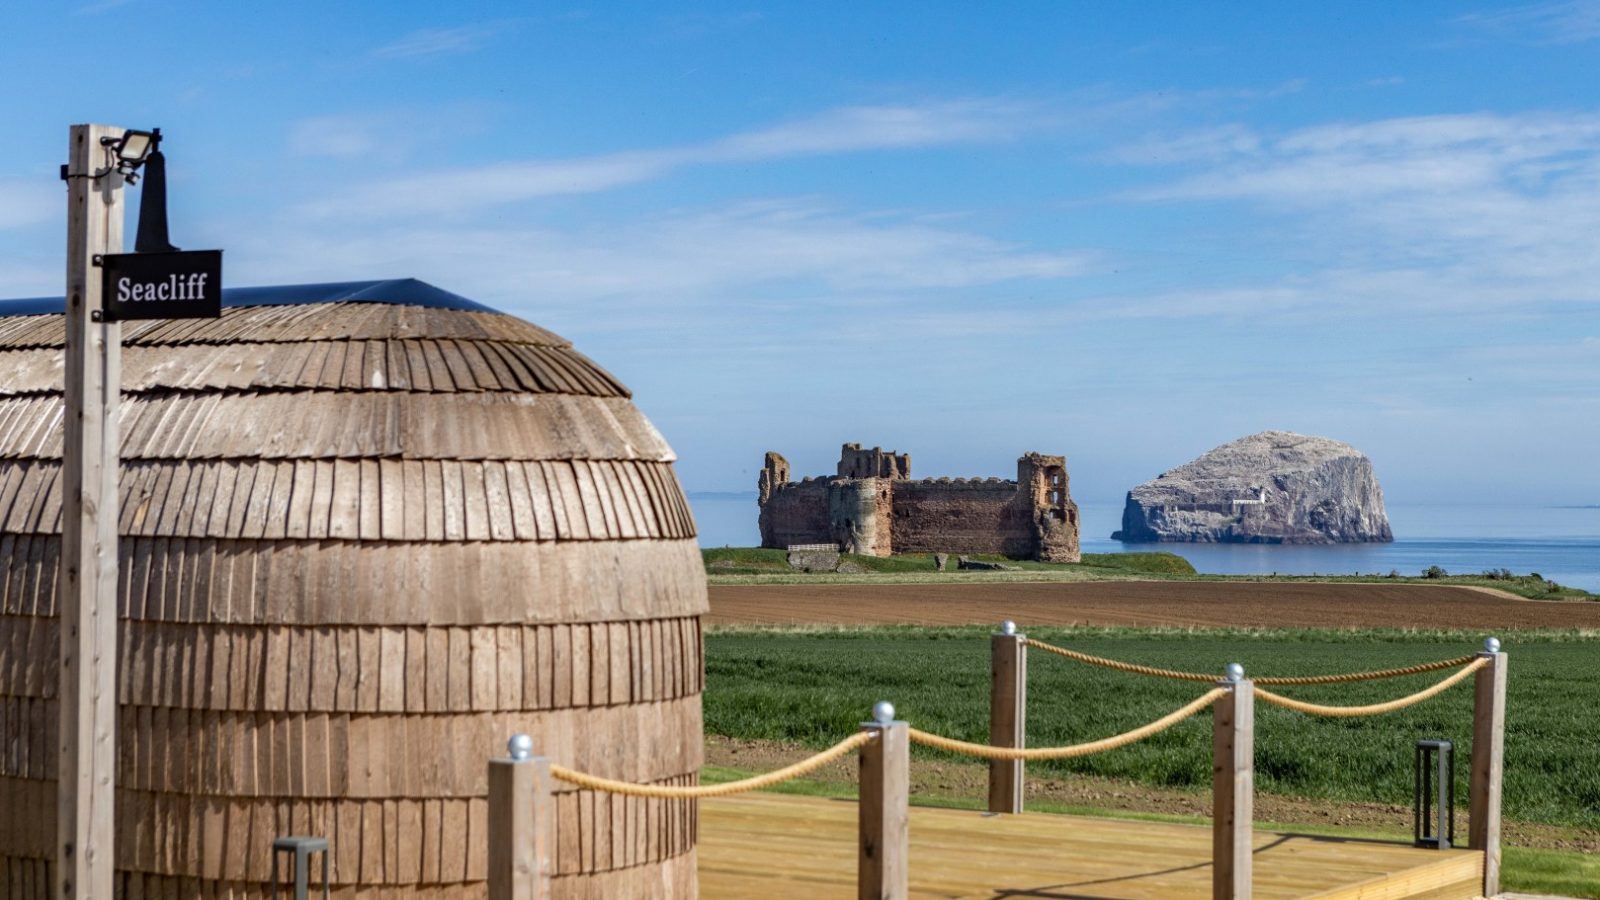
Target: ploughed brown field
<point x="1143" y="603"/>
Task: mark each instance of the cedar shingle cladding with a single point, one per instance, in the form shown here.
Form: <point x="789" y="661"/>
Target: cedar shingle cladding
<point x="363" y="544"/>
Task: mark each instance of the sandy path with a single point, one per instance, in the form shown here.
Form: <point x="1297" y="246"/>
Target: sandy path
<point x="1202" y="604"/>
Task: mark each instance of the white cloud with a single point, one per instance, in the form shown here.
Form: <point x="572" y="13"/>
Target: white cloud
<point x="389" y="135"/>
<point x="1568" y="367"/>
<point x="850" y="129"/>
<point x="336" y="136"/>
<point x="1467" y="212"/>
<point x="877" y="127"/>
<point x="678" y="265"/>
<point x="1394" y="156"/>
<point x="436" y="41"/>
<point x="1202" y="145"/>
<point x="1562" y="22"/>
<point x="465" y="190"/>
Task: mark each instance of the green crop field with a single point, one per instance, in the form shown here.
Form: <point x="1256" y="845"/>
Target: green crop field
<point x="813" y="686"/>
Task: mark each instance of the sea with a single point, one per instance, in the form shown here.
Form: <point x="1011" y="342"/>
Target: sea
<point x="1560" y="543"/>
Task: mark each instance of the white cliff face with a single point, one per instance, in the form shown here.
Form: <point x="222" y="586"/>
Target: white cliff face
<point x="1275" y="487"/>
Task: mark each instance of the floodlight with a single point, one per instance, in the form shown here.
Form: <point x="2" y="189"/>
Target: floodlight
<point x="132" y="149"/>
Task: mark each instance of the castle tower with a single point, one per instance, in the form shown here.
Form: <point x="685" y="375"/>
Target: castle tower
<point x="1055" y="515"/>
<point x="860" y="515"/>
<point x="774" y="474"/>
<point x="855" y="462"/>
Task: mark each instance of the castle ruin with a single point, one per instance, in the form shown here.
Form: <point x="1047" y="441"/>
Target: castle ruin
<point x="873" y="507"/>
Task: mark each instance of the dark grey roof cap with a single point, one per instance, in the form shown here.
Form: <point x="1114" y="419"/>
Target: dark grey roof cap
<point x="399" y="291"/>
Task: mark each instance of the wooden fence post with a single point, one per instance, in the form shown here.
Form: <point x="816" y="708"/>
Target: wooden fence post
<point x="1232" y="787"/>
<point x="522" y="824"/>
<point x="1488" y="762"/>
<point x="1008" y="709"/>
<point x="883" y="864"/>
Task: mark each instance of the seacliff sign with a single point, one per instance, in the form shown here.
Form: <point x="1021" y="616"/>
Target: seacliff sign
<point x="170" y="285"/>
<point x="156" y="281"/>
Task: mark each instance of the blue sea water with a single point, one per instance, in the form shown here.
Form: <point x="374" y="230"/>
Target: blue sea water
<point x="1562" y="544"/>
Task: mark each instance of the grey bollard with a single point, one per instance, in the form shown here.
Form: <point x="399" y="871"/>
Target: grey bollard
<point x="301" y="849"/>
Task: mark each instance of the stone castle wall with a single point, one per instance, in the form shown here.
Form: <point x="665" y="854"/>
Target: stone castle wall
<point x="963" y="517"/>
<point x="797" y="514"/>
<point x="873" y="507"/>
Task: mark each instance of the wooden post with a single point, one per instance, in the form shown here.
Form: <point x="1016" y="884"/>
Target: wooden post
<point x="87" y="598"/>
<point x="1488" y="762"/>
<point x="1008" y="709"/>
<point x="883" y="865"/>
<point x="522" y="822"/>
<point x="1232" y="790"/>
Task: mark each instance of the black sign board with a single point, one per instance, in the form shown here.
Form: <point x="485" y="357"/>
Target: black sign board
<point x="178" y="285"/>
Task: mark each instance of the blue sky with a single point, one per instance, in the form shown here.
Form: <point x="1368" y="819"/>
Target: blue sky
<point x="1122" y="232"/>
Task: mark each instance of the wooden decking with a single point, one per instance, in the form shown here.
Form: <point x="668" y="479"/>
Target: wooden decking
<point x="772" y="845"/>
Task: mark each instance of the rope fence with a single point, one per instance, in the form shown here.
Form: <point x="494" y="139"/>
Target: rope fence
<point x="1317" y="709"/>
<point x="726" y="789"/>
<point x="926" y="738"/>
<point x="521" y="797"/>
<point x="988" y="751"/>
<point x="1274" y="680"/>
<point x="1470" y="664"/>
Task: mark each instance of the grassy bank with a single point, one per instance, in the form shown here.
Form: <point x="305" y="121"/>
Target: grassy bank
<point x="812" y="686"/>
<point x="750" y="565"/>
<point x="760" y="561"/>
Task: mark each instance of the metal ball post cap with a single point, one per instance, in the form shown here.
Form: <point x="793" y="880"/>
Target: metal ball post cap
<point x="1235" y="672"/>
<point x="1491" y="645"/>
<point x="1008" y="627"/>
<point x="883" y="712"/>
<point x="520" y="746"/>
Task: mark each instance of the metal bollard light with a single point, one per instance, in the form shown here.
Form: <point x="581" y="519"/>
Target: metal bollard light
<point x="1433" y="802"/>
<point x="300" y="849"/>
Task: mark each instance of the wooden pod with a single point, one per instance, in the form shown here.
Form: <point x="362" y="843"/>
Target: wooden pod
<point x="362" y="544"/>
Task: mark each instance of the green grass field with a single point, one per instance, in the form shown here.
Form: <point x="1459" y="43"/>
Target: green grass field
<point x="814" y="685"/>
<point x="752" y="565"/>
<point x="758" y="561"/>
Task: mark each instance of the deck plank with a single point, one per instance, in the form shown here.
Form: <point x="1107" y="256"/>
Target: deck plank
<point x="791" y="846"/>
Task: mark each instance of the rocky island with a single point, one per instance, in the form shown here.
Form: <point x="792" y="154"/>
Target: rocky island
<point x="1275" y="487"/>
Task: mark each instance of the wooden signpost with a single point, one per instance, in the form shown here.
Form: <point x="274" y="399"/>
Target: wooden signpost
<point x="175" y="285"/>
<point x="87" y="598"/>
